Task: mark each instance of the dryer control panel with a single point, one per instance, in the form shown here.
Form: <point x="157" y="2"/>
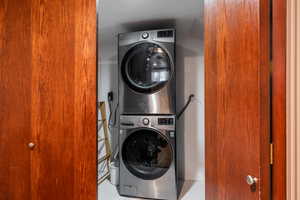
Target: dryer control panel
<point x="161" y="35"/>
<point x="165" y="34"/>
<point x="166" y="121"/>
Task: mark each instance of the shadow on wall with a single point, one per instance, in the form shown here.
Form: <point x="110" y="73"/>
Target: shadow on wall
<point x="181" y="99"/>
<point x="180" y="126"/>
<point x="190" y="80"/>
<point x="113" y="111"/>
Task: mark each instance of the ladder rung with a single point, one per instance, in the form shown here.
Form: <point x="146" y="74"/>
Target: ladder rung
<point x="103" y="139"/>
<point x="105" y="176"/>
<point x="104" y="158"/>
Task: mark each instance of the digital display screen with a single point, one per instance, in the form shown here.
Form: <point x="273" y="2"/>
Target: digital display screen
<point x="165" y="121"/>
<point x="163" y="34"/>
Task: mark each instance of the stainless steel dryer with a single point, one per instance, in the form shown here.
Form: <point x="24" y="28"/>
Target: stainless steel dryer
<point x="147" y="72"/>
<point x="147" y="157"/>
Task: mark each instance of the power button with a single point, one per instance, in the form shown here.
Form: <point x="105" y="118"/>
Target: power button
<point x="145" y="35"/>
<point x="146" y="121"/>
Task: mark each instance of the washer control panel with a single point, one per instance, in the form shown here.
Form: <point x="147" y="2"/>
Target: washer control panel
<point x="165" y="122"/>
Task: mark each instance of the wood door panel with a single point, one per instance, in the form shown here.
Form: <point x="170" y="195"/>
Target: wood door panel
<point x="279" y="91"/>
<point x="85" y="145"/>
<point x="48" y="96"/>
<point x="236" y="97"/>
<point x="64" y="100"/>
<point x="53" y="86"/>
<point x="15" y="89"/>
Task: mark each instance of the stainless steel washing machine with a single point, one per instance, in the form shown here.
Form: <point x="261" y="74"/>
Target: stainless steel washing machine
<point x="147" y="157"/>
<point x="147" y="72"/>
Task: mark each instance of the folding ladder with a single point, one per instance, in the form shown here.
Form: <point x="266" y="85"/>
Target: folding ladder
<point x="104" y="153"/>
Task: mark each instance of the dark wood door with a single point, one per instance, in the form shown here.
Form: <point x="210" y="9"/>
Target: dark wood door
<point x="237" y="99"/>
<point x="15" y="99"/>
<point x="48" y="97"/>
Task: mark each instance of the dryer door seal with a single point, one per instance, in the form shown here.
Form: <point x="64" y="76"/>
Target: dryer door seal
<point x="146" y="68"/>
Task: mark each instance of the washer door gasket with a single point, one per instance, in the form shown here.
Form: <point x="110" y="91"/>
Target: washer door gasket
<point x="147" y="154"/>
<point x="146" y="68"/>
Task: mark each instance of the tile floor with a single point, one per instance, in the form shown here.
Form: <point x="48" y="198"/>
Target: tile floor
<point x="191" y="191"/>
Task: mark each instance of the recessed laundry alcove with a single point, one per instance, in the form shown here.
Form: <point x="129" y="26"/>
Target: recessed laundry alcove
<point x="122" y="16"/>
<point x="186" y="17"/>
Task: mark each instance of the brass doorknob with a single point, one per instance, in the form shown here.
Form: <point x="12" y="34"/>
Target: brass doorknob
<point x="251" y="180"/>
<point x="31" y="145"/>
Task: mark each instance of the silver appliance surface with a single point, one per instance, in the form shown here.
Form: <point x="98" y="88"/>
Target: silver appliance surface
<point x="147" y="72"/>
<point x="147" y="157"/>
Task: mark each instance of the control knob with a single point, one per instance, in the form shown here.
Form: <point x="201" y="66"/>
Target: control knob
<point x="145" y="35"/>
<point x="146" y="121"/>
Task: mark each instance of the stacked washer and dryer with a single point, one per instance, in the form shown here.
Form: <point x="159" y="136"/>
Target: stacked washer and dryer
<point x="147" y="114"/>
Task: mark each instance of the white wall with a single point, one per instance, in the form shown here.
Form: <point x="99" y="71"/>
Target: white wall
<point x="190" y="80"/>
<point x="118" y="16"/>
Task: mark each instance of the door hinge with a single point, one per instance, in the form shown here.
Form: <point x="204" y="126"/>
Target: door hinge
<point x="271" y="153"/>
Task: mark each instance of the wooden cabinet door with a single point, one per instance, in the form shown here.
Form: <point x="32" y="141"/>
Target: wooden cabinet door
<point x="15" y="99"/>
<point x="48" y="97"/>
<point x="237" y="99"/>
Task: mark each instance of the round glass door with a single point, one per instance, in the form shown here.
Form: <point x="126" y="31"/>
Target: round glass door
<point x="146" y="68"/>
<point x="147" y="154"/>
